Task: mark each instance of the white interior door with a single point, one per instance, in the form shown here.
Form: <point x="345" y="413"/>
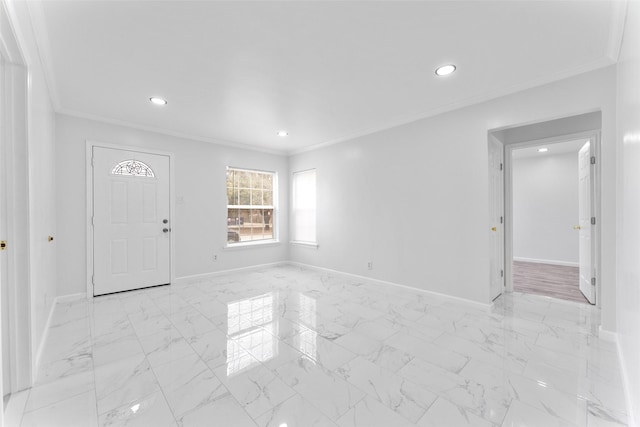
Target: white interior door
<point x="14" y="215"/>
<point x="4" y="277"/>
<point x="131" y="224"/>
<point x="496" y="219"/>
<point x="587" y="287"/>
<point x="4" y="294"/>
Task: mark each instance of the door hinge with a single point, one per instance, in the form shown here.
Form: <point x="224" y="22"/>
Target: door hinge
<point x="501" y="273"/>
<point x="92" y="280"/>
<point x="593" y="160"/>
<point x="500" y="166"/>
<point x="501" y="220"/>
<point x="92" y="158"/>
<point x="593" y="220"/>
<point x="593" y="281"/>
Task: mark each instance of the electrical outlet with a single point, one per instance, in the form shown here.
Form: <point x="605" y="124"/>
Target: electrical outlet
<point x="370" y="265"/>
<point x="215" y="257"/>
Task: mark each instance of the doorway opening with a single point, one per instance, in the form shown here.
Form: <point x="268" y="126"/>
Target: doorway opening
<point x="17" y="356"/>
<point x="551" y="216"/>
<point x="549" y="208"/>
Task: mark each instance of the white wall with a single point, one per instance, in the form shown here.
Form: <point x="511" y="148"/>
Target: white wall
<point x="199" y="226"/>
<point x="628" y="140"/>
<point x="545" y="208"/>
<point x="414" y="199"/>
<point x="42" y="212"/>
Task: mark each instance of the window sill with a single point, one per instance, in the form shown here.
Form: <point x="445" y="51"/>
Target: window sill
<point x="246" y="245"/>
<point x="305" y="244"/>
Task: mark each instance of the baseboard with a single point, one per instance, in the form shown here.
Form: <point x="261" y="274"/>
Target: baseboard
<point x="70" y="297"/>
<point x="203" y="276"/>
<point x="547" y="261"/>
<point x="47" y="326"/>
<point x="43" y="340"/>
<point x="469" y="302"/>
<point x="632" y="421"/>
<point x="607" y="335"/>
<point x="15" y="408"/>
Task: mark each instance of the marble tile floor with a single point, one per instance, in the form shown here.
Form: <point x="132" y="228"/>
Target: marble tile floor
<point x="289" y="347"/>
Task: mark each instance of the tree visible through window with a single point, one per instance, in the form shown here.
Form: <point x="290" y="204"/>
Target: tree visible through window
<point x="250" y="206"/>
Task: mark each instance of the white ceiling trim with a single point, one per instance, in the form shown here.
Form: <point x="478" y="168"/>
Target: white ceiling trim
<point x="9" y="35"/>
<point x="600" y="63"/>
<point x="168" y="132"/>
<point x="618" y="21"/>
<point x="39" y="26"/>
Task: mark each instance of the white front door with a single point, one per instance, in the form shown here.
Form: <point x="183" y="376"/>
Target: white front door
<point x="587" y="287"/>
<point x="131" y="224"/>
<point x="496" y="219"/>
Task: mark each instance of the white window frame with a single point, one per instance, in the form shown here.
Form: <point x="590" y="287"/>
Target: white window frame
<point x="274" y="206"/>
<point x="294" y="208"/>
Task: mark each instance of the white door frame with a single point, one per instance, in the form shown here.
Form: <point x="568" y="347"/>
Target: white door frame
<point x="508" y="182"/>
<point x="89" y="172"/>
<point x="499" y="199"/>
<point x="15" y="177"/>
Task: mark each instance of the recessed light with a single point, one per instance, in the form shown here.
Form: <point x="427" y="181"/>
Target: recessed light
<point x="158" y="101"/>
<point x="445" y="70"/>
<point x="283" y="133"/>
<point x="542" y="150"/>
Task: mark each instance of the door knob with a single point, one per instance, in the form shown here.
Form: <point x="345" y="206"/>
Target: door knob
<point x="494" y="229"/>
<point x="164" y="221"/>
<point x="577" y="227"/>
<point x="165" y="230"/>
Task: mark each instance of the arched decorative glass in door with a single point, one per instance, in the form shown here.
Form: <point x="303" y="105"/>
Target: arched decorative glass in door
<point x="133" y="168"/>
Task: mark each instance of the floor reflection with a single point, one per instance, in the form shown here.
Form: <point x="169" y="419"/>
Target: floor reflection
<point x="251" y="328"/>
<point x="309" y="349"/>
<point x="306" y="341"/>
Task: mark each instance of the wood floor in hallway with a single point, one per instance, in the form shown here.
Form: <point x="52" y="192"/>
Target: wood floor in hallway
<point x="556" y="281"/>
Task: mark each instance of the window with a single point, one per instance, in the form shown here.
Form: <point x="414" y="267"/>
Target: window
<point x="304" y="206"/>
<point x="132" y="168"/>
<point x="250" y="206"/>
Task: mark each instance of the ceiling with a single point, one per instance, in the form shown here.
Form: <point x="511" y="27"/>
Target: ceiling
<point x="238" y="72"/>
<point x="553" y="148"/>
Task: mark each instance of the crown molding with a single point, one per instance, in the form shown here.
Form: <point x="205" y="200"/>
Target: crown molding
<point x="41" y="36"/>
<point x="468" y="102"/>
<point x="36" y="13"/>
<point x="595" y="65"/>
<point x="168" y="132"/>
<point x="10" y="35"/>
<point x="616" y="28"/>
